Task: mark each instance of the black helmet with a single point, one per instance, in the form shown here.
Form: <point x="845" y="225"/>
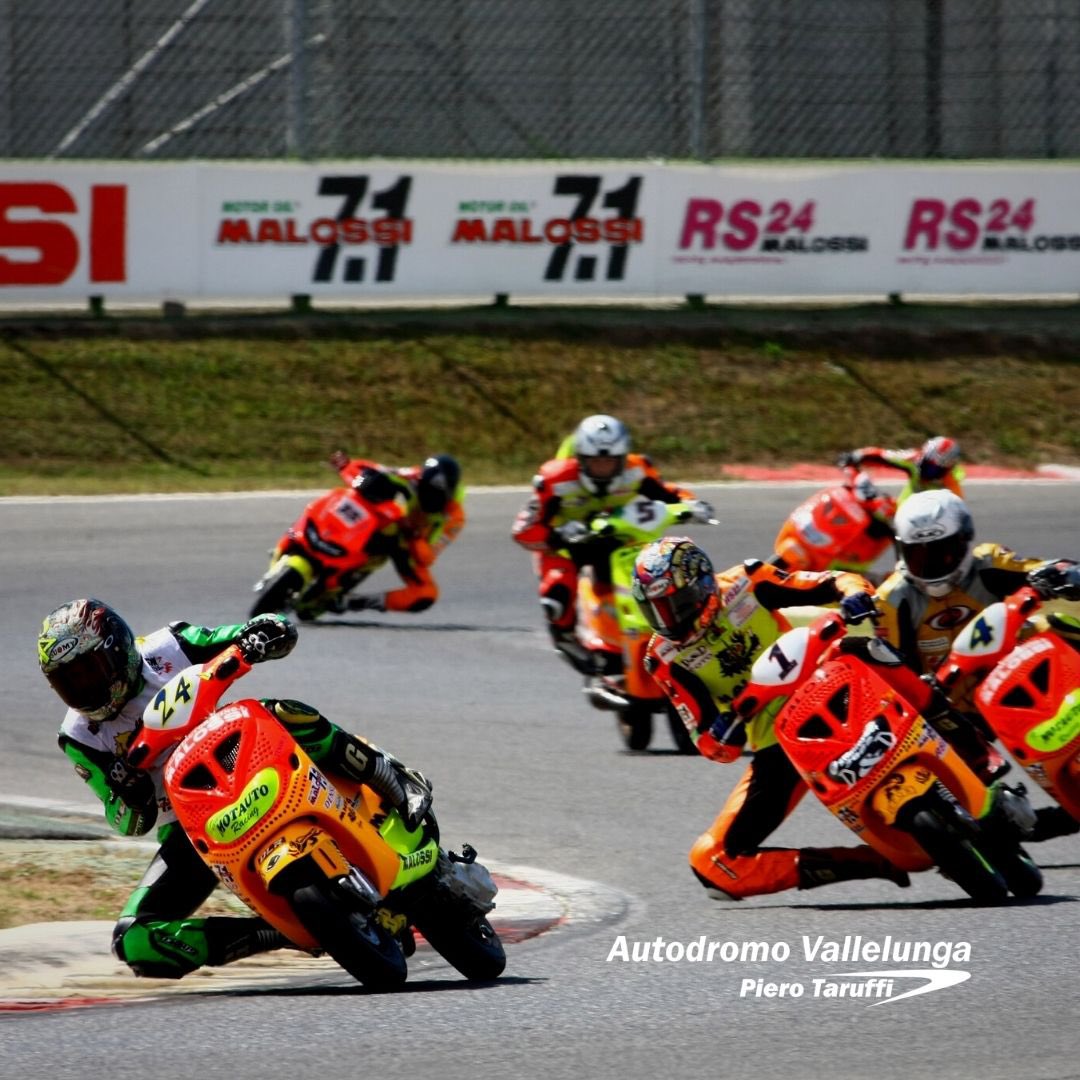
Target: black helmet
<point x="374" y="485"/>
<point x="439" y="479"/>
<point x="88" y="654"/>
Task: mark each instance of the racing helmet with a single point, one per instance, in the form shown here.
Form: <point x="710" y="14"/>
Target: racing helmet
<point x="601" y="444"/>
<point x="439" y="478"/>
<point x="88" y="654"/>
<point x="934" y="530"/>
<point x="937" y="458"/>
<point x="374" y="485"/>
<point x="674" y="586"/>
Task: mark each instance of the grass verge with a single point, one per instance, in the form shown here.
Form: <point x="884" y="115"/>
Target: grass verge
<point x="261" y="407"/>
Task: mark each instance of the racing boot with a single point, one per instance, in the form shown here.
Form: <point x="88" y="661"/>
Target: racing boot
<point x="335" y="750"/>
<point x="406" y="790"/>
<point x="229" y="939"/>
<point x="567" y="645"/>
<point x="826" y="866"/>
<point x="1052" y="821"/>
<point x="1010" y="812"/>
<point x="564" y="638"/>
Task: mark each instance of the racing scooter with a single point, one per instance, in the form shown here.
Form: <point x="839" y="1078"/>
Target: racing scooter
<point x="846" y="526"/>
<point x="872" y="759"/>
<point x="338" y="540"/>
<point x="612" y="627"/>
<point x="1029" y="692"/>
<point x="322" y="859"/>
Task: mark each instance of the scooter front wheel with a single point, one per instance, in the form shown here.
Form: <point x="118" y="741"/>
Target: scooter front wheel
<point x="358" y="943"/>
<point x="939" y="835"/>
<point x="278" y="592"/>
<point x="635" y="725"/>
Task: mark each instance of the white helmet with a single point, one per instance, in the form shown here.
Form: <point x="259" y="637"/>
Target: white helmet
<point x="934" y="531"/>
<point x="601" y="444"/>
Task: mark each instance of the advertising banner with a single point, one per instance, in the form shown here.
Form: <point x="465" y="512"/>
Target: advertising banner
<point x="365" y="231"/>
<point x="875" y="229"/>
<point x="375" y="231"/>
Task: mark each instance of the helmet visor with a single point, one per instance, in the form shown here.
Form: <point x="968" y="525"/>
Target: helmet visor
<point x="932" y="470"/>
<point x="601" y="466"/>
<point x="934" y="560"/>
<point x="85" y="682"/>
<point x="672" y="616"/>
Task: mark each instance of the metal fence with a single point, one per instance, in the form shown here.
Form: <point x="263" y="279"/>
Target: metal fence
<point x="683" y="79"/>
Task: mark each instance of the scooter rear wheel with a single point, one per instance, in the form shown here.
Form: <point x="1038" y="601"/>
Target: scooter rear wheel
<point x="471" y="946"/>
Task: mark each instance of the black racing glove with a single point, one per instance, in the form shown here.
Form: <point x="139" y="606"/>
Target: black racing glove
<point x="1058" y="579"/>
<point x="131" y="808"/>
<point x="267" y="637"/>
<point x="857" y="607"/>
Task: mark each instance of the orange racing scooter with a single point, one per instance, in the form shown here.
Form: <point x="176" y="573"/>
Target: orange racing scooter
<point x="321" y="859"/>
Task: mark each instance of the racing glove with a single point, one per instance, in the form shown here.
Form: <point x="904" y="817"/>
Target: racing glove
<point x="267" y="637"/>
<point x="131" y="808"/>
<point x="858" y="607"/>
<point x="572" y="533"/>
<point x="725" y="738"/>
<point x="847" y="458"/>
<point x="1057" y="579"/>
<point x="700" y="512"/>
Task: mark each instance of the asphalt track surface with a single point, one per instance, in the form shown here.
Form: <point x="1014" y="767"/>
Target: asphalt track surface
<point x="527" y="772"/>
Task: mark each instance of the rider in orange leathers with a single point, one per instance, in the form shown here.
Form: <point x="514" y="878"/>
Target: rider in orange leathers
<point x="932" y="466"/>
<point x="433" y="496"/>
<point x="601" y="475"/>
<point x="709" y="630"/>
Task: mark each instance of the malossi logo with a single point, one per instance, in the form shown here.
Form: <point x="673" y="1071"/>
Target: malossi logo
<point x="417" y="858"/>
<point x="46" y="231"/>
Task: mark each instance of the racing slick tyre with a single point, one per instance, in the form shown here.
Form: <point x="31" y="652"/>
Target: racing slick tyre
<point x="354" y="939"/>
<point x="635" y="725"/>
<point x="1016" y="866"/>
<point x="277" y="592"/>
<point x="471" y="946"/>
<point x="945" y="841"/>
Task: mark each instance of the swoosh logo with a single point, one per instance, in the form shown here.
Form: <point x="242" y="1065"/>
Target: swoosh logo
<point x="936" y="979"/>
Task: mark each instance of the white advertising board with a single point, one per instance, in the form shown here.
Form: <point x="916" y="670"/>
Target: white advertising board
<point x="374" y="230"/>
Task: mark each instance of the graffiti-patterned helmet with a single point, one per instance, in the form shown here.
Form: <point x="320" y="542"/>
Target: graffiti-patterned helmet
<point x="937" y="458"/>
<point x="88" y="654"/>
<point x="673" y="585"/>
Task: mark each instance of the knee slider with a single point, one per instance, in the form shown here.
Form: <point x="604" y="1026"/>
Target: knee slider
<point x="134" y="944"/>
<point x="291" y="712"/>
<point x="714" y="890"/>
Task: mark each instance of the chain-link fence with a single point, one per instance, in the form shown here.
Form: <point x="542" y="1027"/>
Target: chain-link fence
<point x="684" y="79"/>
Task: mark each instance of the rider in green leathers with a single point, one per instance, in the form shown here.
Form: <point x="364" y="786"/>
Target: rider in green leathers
<point x="106" y="676"/>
